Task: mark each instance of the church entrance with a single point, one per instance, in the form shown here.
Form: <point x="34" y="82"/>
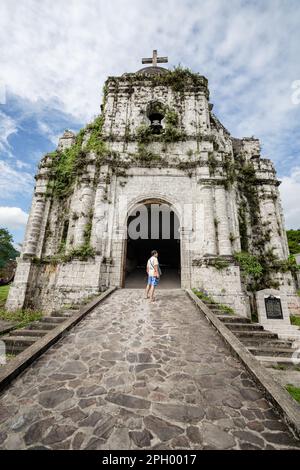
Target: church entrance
<point x="153" y="226"/>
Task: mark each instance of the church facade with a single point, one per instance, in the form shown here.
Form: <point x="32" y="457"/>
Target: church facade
<point x="156" y="143"/>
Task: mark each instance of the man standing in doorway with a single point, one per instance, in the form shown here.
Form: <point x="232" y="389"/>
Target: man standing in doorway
<point x="153" y="272"/>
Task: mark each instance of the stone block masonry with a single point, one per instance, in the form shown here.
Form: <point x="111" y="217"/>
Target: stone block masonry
<point x="127" y="377"/>
<point x="156" y="141"/>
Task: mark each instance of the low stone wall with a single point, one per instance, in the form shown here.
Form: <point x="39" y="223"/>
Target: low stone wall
<point x="223" y="285"/>
<point x="54" y="286"/>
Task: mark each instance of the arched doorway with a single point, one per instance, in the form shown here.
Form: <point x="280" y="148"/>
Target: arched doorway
<point x="152" y="225"/>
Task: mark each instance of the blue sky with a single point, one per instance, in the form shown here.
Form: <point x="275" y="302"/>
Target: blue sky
<point x="55" y="57"/>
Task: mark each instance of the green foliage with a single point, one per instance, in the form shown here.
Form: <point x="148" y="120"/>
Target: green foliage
<point x="286" y="265"/>
<point x="243" y="225"/>
<point x="21" y="317"/>
<point x="179" y="79"/>
<point x="144" y="134"/>
<point x="206" y="298"/>
<point x="82" y="253"/>
<point x="293" y="391"/>
<point x="203" y="296"/>
<point x="170" y="133"/>
<point x="220" y="263"/>
<point x="212" y="163"/>
<point x="226" y="309"/>
<point x="145" y="155"/>
<point x="279" y="367"/>
<point x="7" y="250"/>
<point x="259" y="268"/>
<point x="64" y="167"/>
<point x="293" y="237"/>
<point x="68" y="164"/>
<point x="230" y="170"/>
<point x="295" y="320"/>
<point x="247" y="184"/>
<point x="171" y="118"/>
<point x="249" y="264"/>
<point x="4" y="290"/>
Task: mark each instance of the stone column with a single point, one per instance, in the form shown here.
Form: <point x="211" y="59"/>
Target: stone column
<point x="268" y="212"/>
<point x="34" y="225"/>
<point x="186" y="235"/>
<point x="83" y="207"/>
<point x="98" y="224"/>
<point x="209" y="228"/>
<point x="222" y="221"/>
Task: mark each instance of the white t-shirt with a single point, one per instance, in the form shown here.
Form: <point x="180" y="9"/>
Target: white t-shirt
<point x="153" y="261"/>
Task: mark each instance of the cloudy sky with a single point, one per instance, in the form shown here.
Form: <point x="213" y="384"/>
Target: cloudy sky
<point x="55" y="56"/>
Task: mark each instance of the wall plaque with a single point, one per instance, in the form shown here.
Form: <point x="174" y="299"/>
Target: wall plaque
<point x="273" y="307"/>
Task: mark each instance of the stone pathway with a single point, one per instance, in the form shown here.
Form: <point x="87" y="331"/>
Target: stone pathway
<point x="134" y="375"/>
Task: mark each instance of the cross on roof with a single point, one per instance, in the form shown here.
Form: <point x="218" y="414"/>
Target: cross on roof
<point x="154" y="60"/>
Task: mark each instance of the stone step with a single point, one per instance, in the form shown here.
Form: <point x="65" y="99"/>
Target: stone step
<point x="219" y="312"/>
<point x="233" y="319"/>
<point x="63" y="313"/>
<point x="257" y="342"/>
<point x="13" y="349"/>
<point x="19" y="340"/>
<point x="272" y="352"/>
<point x="278" y="361"/>
<point x="245" y="326"/>
<point x="255" y="334"/>
<point x="52" y="319"/>
<point x="41" y="325"/>
<point x="26" y="332"/>
<point x="212" y="306"/>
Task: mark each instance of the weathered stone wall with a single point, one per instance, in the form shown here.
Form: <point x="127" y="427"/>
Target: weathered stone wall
<point x="54" y="286"/>
<point x="197" y="174"/>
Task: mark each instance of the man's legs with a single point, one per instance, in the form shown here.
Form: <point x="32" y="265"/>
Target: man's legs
<point x="152" y="293"/>
<point x="147" y="291"/>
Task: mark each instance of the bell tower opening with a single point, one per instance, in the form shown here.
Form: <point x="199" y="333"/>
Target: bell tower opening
<point x="153" y="226"/>
<point x="155" y="114"/>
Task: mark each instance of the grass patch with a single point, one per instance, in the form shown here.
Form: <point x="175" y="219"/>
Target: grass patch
<point x="203" y="296"/>
<point x="20" y="317"/>
<point x="293" y="391"/>
<point x="279" y="367"/>
<point x="295" y="320"/>
<point x="226" y="309"/>
<point x="206" y="298"/>
<point x="3" y="295"/>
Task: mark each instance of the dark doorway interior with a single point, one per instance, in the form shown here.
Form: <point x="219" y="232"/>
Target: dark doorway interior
<point x="153" y="228"/>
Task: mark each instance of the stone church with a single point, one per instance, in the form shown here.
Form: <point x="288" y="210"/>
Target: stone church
<point x="156" y="143"/>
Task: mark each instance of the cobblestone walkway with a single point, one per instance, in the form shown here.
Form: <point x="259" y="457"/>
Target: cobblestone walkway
<point x="133" y="375"/>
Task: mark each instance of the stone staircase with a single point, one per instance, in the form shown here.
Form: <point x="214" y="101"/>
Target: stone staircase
<point x="265" y="345"/>
<point x="20" y="339"/>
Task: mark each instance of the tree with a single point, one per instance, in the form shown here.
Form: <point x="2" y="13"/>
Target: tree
<point x="294" y="241"/>
<point x="7" y="250"/>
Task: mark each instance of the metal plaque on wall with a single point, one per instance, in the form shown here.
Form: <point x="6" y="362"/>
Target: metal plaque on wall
<point x="273" y="307"/>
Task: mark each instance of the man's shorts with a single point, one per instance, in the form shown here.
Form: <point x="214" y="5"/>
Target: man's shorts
<point x="153" y="281"/>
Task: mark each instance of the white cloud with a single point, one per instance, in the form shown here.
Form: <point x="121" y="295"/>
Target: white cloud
<point x="14" y="182"/>
<point x="48" y="132"/>
<point x="58" y="56"/>
<point x="8" y="127"/>
<point x="12" y="218"/>
<point x="290" y="193"/>
<point x="53" y="52"/>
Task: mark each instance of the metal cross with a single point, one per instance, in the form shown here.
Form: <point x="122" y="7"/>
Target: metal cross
<point x="154" y="60"/>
